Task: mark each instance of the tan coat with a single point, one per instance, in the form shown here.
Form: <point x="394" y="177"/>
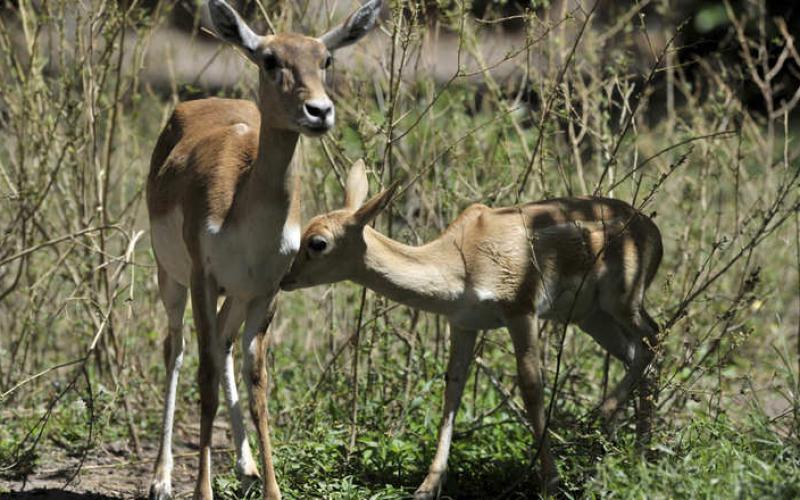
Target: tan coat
<point x="576" y="260"/>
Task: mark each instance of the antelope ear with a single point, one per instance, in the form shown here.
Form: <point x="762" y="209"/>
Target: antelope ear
<point x="358" y="24"/>
<point x="357" y="186"/>
<point x="375" y="205"/>
<point x="231" y="27"/>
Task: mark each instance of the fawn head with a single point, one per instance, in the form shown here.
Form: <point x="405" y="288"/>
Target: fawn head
<point x="332" y="247"/>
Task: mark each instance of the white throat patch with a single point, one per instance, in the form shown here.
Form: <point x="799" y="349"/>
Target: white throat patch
<point x="213" y="226"/>
<point x="290" y="239"/>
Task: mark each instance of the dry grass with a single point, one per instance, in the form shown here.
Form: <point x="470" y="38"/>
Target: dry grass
<point x="581" y="107"/>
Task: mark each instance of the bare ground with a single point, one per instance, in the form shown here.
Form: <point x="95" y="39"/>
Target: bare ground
<point x="112" y="471"/>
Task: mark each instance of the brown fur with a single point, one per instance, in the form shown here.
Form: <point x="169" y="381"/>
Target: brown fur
<point x="575" y="238"/>
<point x="200" y="154"/>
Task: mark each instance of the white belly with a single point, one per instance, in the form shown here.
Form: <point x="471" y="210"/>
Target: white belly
<point x="246" y="260"/>
<point x="249" y="260"/>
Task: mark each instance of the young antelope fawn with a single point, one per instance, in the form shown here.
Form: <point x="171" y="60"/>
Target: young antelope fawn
<point x="576" y="260"/>
<point x="224" y="207"/>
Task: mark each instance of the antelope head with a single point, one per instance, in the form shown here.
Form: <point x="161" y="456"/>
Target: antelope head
<point x="292" y="66"/>
<point x="332" y="247"/>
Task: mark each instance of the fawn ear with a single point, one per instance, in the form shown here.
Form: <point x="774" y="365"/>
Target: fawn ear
<point x="375" y="205"/>
<point x="358" y="24"/>
<point x="357" y="186"/>
<point x="231" y="27"/>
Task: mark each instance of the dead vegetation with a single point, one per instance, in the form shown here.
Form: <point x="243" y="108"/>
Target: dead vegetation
<point x="705" y="145"/>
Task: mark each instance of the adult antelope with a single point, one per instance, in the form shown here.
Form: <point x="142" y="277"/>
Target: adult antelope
<point x="224" y="208"/>
<point x="578" y="260"/>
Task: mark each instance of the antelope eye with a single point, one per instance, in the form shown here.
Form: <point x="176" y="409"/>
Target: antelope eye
<point x="270" y="61"/>
<point x="328" y="61"/>
<point x="317" y="244"/>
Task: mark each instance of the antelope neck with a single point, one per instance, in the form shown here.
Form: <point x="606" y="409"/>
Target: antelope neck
<point x="273" y="170"/>
<point x="428" y="277"/>
<point x="272" y="178"/>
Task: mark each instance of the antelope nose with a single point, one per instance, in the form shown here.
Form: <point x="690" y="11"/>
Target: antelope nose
<point x="319" y="111"/>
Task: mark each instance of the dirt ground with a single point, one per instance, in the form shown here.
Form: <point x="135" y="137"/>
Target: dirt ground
<point x="112" y="471"/>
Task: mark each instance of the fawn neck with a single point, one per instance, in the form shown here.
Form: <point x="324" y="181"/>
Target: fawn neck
<point x="428" y="277"/>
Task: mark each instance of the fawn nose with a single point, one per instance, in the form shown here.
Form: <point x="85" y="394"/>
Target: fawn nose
<point x="319" y="112"/>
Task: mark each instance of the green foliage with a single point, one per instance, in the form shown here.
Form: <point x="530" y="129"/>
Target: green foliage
<point x="719" y="179"/>
<point x="707" y="458"/>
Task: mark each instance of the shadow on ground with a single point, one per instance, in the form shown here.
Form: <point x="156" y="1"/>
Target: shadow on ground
<point x="467" y="480"/>
<point x="53" y="494"/>
<point x="473" y="477"/>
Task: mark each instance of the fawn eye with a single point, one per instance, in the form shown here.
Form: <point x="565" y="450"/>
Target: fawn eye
<point x="317" y="244"/>
<point x="328" y="61"/>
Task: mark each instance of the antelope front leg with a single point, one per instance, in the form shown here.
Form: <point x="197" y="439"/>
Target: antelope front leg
<point x="204" y="308"/>
<point x="462" y="343"/>
<point x="230" y="318"/>
<point x="524" y="334"/>
<point x="259" y="316"/>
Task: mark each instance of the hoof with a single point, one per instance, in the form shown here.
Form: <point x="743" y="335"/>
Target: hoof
<point x="248" y="481"/>
<point x="605" y="414"/>
<point x="552" y="486"/>
<point x="273" y="495"/>
<point x="424" y="495"/>
<point x="160" y="490"/>
<point x="548" y="480"/>
<point x="609" y="409"/>
<point x="203" y="490"/>
<point x="203" y="495"/>
<point x="430" y="488"/>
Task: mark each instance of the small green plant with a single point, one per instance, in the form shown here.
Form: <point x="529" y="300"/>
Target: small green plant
<point x="571" y="103"/>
